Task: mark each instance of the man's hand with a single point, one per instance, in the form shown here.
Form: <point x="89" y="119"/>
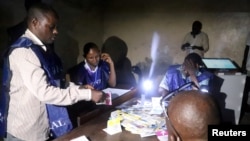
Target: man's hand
<point x="86" y="86"/>
<point x="198" y="47"/>
<point x="97" y="96"/>
<point x="185" y="45"/>
<point x="190" y="68"/>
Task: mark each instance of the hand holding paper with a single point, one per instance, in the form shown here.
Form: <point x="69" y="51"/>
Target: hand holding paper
<point x="106" y="99"/>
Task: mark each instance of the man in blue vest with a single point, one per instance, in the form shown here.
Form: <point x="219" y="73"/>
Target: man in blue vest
<point x="31" y="96"/>
<point x="191" y="72"/>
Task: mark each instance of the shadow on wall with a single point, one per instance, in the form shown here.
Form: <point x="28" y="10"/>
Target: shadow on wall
<point x="227" y="115"/>
<point x="158" y="66"/>
<point x="117" y="49"/>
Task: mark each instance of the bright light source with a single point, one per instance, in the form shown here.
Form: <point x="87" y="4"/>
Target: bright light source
<point x="147" y="85"/>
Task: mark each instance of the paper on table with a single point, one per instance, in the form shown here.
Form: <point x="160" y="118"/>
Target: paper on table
<point x="162" y="135"/>
<point x="81" y="138"/>
<point x="116" y="92"/>
<point x="113" y="126"/>
<point x="156" y="107"/>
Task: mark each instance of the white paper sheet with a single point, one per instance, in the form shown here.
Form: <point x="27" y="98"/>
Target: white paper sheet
<point x="81" y="138"/>
<point x="116" y="92"/>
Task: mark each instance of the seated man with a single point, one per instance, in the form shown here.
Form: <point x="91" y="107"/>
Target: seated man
<point x="192" y="70"/>
<point x="188" y="115"/>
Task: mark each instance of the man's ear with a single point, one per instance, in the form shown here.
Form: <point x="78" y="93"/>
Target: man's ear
<point x="34" y="22"/>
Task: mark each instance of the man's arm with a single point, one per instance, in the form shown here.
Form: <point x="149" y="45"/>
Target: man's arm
<point x="185" y="46"/>
<point x="35" y="80"/>
<point x="162" y="92"/>
<point x="163" y="87"/>
<point x="205" y="42"/>
<point x="185" y="42"/>
<point x="112" y="76"/>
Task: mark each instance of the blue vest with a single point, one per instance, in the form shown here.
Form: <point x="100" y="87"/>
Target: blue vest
<point x="98" y="79"/>
<point x="58" y="116"/>
<point x="175" y="79"/>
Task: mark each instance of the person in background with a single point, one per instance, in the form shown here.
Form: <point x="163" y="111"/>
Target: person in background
<point x="118" y="49"/>
<point x="30" y="90"/>
<point x="191" y="71"/>
<point x="196" y="40"/>
<point x="95" y="72"/>
<point x="188" y="115"/>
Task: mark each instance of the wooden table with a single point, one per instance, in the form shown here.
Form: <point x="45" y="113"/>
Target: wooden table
<point x="93" y="128"/>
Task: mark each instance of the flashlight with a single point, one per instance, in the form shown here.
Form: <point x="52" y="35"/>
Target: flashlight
<point x="147" y="85"/>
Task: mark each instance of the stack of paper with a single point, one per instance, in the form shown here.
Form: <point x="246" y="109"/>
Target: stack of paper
<point x="143" y="120"/>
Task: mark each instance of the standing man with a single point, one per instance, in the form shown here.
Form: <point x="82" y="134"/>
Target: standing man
<point x="31" y="91"/>
<point x="196" y="41"/>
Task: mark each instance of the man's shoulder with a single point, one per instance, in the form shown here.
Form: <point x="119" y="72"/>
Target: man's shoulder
<point x="76" y="67"/>
<point x="203" y="34"/>
<point x="174" y="68"/>
<point x="207" y="73"/>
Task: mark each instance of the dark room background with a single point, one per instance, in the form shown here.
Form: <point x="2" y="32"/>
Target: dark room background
<point x="227" y="23"/>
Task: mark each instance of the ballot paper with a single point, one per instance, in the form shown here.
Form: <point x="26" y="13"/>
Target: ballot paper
<point x="146" y="120"/>
<point x="81" y="138"/>
<point x="162" y="135"/>
<point x="156" y="107"/>
<point x="116" y="92"/>
<point x="113" y="126"/>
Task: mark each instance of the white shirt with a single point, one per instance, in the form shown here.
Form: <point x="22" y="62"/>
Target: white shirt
<point x="200" y="39"/>
<point x="30" y="91"/>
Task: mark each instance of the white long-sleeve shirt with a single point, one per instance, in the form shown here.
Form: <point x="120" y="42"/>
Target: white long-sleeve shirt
<point x="200" y="39"/>
<point x="30" y="91"/>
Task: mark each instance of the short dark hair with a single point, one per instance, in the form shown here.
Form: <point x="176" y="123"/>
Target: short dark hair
<point x="29" y="3"/>
<point x="40" y="10"/>
<point x="195" y="58"/>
